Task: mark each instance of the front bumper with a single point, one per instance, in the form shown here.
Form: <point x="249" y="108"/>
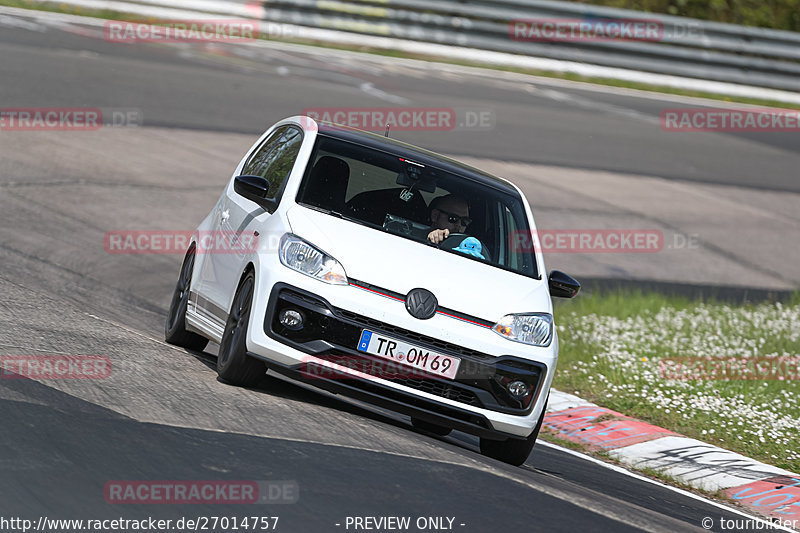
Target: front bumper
<point x="476" y="401"/>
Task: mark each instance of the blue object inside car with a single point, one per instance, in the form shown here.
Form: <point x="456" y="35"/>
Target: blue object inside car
<point x="470" y="246"/>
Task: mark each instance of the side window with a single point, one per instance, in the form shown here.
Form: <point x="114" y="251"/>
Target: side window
<point x="275" y="158"/>
<point x="514" y="257"/>
<point x="521" y="254"/>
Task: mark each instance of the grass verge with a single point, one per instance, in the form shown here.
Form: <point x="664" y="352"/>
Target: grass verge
<point x="115" y="15"/>
<point x="56" y="7"/>
<point x="720" y="373"/>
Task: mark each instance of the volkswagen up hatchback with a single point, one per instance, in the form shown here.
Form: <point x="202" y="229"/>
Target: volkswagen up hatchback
<point x="318" y="263"/>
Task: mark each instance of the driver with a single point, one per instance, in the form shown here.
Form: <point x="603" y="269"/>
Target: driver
<point x="449" y="214"/>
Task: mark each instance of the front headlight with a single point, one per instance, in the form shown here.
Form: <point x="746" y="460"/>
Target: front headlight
<point x="305" y="258"/>
<point x="529" y="328"/>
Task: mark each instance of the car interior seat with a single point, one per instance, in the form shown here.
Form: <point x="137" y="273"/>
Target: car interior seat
<point x="327" y="184"/>
<point x="373" y="206"/>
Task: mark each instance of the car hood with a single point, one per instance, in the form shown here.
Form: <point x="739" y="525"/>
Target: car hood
<point x="398" y="264"/>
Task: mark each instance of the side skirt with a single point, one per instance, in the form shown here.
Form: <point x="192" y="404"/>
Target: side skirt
<point x="199" y="320"/>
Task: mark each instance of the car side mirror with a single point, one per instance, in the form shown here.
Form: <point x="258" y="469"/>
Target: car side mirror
<point x="255" y="188"/>
<point x="562" y="285"/>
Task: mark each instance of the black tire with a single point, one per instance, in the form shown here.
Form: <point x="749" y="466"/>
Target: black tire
<point x="430" y="427"/>
<point x="234" y="366"/>
<point x="175" y="326"/>
<point x="513" y="451"/>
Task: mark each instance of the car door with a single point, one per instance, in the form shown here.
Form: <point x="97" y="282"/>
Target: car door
<point x="234" y="215"/>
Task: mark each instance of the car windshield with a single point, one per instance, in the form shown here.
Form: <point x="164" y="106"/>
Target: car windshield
<point x="394" y="194"/>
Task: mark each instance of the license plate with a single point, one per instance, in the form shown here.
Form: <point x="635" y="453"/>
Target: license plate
<point x="408" y="354"/>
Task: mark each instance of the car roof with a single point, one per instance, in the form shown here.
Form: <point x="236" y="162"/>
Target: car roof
<point x="414" y="153"/>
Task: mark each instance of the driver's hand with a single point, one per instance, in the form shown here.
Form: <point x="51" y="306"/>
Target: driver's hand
<point x="438" y="235"/>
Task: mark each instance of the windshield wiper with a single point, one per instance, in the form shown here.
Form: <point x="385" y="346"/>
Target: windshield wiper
<point x="336" y="214"/>
<point x="325" y="210"/>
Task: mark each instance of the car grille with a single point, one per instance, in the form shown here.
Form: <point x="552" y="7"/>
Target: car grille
<point x="444" y="390"/>
<point x="449" y="390"/>
<point x="413" y="336"/>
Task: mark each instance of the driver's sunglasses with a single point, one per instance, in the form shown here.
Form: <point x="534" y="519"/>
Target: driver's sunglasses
<point x="456" y="219"/>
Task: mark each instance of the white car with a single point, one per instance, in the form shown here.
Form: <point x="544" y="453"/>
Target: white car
<point x="317" y="263"/>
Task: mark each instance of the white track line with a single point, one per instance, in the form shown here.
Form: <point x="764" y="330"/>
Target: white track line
<point x="768" y="525"/>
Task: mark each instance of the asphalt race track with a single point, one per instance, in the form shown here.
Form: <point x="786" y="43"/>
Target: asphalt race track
<point x="584" y="157"/>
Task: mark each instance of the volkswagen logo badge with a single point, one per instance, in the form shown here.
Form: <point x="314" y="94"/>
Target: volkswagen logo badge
<point x="421" y="303"/>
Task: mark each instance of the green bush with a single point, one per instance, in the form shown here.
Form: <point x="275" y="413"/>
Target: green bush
<point x="777" y="14"/>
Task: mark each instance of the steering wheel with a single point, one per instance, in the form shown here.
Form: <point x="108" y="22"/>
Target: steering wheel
<point x="453" y="240"/>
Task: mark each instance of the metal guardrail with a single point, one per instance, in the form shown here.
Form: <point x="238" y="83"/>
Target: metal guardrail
<point x="684" y="47"/>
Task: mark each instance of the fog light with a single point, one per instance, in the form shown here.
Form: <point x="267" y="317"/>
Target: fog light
<point x="518" y="389"/>
<point x="291" y="319"/>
